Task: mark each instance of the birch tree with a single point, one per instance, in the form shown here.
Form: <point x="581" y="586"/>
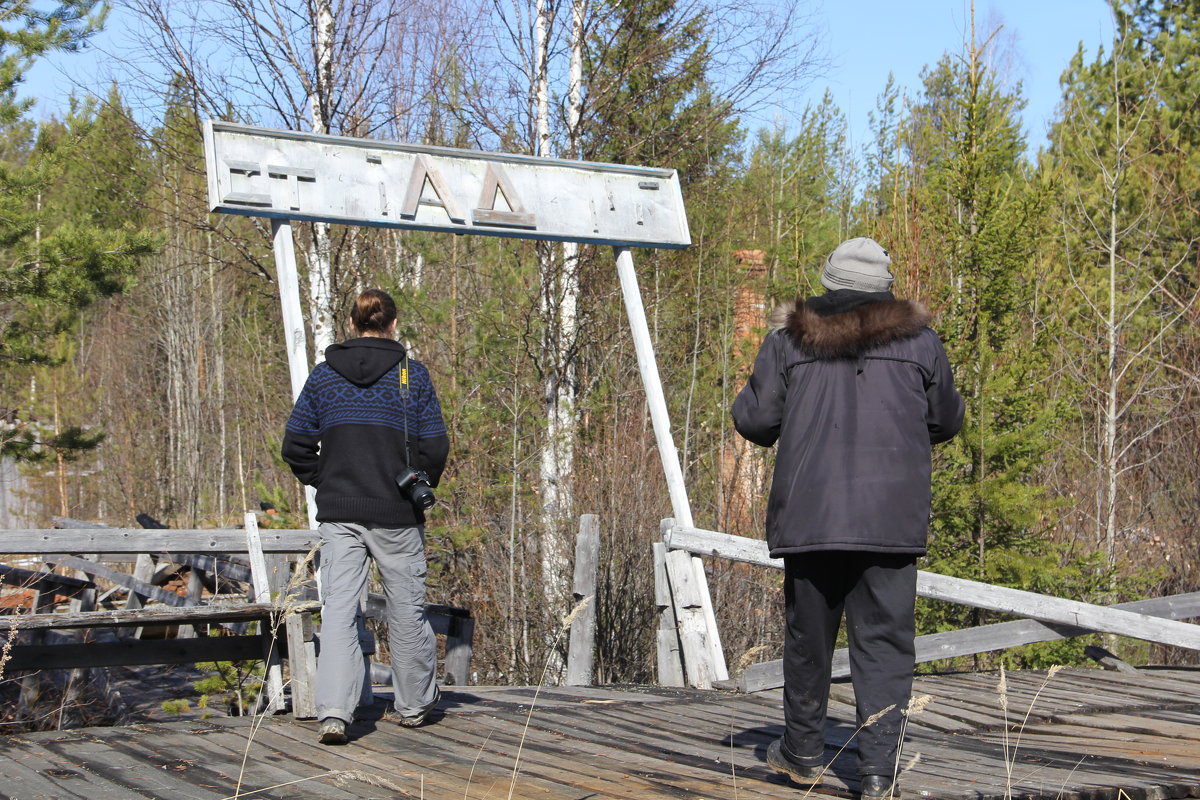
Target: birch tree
<point x="1126" y="261"/>
<point x="345" y="67"/>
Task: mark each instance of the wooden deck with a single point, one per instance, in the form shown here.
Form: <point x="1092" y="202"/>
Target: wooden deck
<point x="1090" y="734"/>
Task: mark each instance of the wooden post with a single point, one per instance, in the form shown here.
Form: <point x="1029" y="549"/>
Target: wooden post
<point x="273" y="685"/>
<point x="302" y="656"/>
<point x="687" y="599"/>
<point x="31" y="684"/>
<point x="580" y="661"/>
<point x="195" y="591"/>
<point x="143" y="571"/>
<point x="459" y="647"/>
<point x="670" y="658"/>
<point x="83" y="602"/>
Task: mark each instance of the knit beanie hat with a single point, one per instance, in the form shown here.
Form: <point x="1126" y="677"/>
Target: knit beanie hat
<point x="860" y="264"/>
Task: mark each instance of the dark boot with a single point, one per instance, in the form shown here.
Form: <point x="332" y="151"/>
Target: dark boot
<point x="779" y="760"/>
<point x="879" y="787"/>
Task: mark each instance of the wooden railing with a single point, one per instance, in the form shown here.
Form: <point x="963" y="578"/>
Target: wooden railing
<point x="273" y="596"/>
<point x="1046" y="618"/>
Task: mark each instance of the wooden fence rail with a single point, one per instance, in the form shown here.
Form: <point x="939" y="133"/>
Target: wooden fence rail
<point x="1047" y="618"/>
<point x="203" y="550"/>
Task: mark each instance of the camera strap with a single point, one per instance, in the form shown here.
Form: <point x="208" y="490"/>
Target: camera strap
<point x="405" y="393"/>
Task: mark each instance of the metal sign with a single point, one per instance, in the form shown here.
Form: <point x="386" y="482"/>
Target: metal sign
<point x="262" y="172"/>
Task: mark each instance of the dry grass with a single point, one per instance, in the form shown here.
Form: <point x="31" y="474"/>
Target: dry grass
<point x="562" y="628"/>
<point x="1011" y="748"/>
<point x="6" y="649"/>
<point x="286" y="604"/>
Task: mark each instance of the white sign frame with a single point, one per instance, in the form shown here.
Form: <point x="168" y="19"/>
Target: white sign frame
<point x="264" y="172"/>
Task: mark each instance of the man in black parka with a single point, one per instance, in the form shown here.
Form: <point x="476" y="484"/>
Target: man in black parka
<point x="855" y="389"/>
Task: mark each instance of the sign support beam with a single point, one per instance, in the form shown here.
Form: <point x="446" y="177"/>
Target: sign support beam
<point x="284" y="247"/>
<point x="659" y="417"/>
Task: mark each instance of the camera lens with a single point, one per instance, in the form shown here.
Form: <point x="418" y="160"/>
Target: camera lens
<point x="422" y="495"/>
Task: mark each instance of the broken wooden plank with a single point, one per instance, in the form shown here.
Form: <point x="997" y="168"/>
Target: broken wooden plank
<point x="120" y="578"/>
<point x="61" y="585"/>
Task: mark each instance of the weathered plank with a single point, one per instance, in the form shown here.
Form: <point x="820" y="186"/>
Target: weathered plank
<point x="214" y="564"/>
<point x="639" y="740"/>
<point x="668" y="651"/>
<point x="418" y="767"/>
<point x="1059" y="610"/>
<point x="134" y="652"/>
<point x="264" y="586"/>
<point x="688" y="597"/>
<point x="460" y="636"/>
<point x="197" y="756"/>
<point x="130" y="775"/>
<point x="952" y="644"/>
<point x="65" y="770"/>
<point x="139" y="540"/>
<point x="110" y="617"/>
<point x="580" y="656"/>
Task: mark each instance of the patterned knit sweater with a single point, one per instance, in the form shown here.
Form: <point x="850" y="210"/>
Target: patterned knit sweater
<point x="346" y="434"/>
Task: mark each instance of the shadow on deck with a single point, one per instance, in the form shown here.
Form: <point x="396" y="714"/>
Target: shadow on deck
<point x="1090" y="734"/>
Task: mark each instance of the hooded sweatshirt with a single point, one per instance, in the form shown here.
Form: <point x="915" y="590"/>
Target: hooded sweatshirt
<point x="854" y="389"/>
<point x="346" y="434"/>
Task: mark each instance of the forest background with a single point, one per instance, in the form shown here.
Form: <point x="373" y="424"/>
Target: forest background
<point x="143" y="367"/>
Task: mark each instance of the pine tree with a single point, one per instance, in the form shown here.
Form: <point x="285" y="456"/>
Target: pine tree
<point x="52" y="267"/>
<point x="979" y="212"/>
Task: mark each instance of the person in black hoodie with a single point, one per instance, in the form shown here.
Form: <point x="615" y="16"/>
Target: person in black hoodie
<point x="367" y="414"/>
<point x="854" y="389"/>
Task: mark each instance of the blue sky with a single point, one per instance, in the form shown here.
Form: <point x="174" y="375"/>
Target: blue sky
<point x="864" y="40"/>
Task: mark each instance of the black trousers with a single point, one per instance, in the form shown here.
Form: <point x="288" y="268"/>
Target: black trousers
<point x="877" y="592"/>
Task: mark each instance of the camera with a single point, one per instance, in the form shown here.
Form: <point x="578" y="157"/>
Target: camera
<point x="415" y="484"/>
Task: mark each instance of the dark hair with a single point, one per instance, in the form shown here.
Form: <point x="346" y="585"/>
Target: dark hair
<point x="374" y="311"/>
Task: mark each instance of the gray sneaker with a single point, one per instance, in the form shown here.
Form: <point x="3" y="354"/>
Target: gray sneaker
<point x="331" y="731"/>
<point x="418" y="719"/>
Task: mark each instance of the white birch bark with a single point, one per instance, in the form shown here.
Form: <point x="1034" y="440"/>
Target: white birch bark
<point x="320" y="295"/>
<point x="555" y="469"/>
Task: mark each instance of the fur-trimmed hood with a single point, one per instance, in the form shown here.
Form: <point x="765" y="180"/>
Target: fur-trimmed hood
<point x="846" y="324"/>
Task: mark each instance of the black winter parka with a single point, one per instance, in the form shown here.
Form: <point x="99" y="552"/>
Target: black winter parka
<point x="855" y="388"/>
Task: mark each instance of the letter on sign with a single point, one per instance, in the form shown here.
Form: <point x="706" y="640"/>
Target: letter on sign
<point x="423" y="170"/>
<point x="496" y="181"/>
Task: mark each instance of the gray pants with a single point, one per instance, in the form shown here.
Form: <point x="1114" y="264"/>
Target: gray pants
<point x="399" y="553"/>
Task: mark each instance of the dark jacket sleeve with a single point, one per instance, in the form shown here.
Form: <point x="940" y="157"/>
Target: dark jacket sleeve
<point x="431" y="455"/>
<point x="302" y="437"/>
<point x="432" y="445"/>
<point x="946" y="407"/>
<point x="758" y="409"/>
